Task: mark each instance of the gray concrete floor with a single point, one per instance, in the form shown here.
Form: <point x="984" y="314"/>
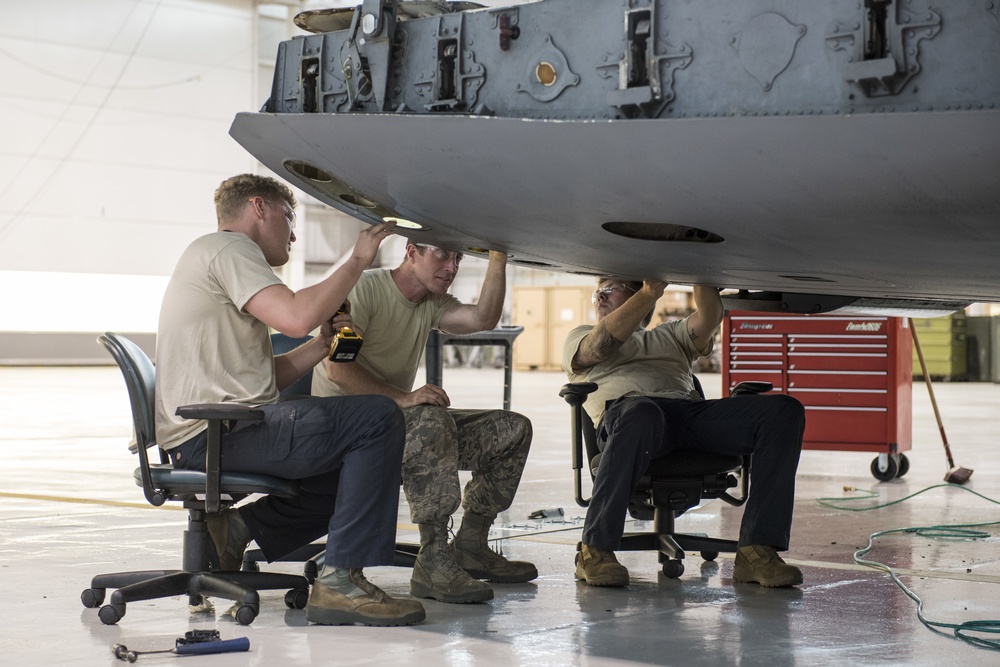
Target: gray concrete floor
<point x="69" y="510"/>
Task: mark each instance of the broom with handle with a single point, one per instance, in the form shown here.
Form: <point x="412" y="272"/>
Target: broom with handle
<point x="955" y="474"/>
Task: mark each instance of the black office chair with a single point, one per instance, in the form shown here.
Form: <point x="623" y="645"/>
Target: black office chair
<point x="201" y="493"/>
<point x="673" y="484"/>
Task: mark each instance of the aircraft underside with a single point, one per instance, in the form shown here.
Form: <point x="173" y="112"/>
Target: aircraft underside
<point x="756" y="148"/>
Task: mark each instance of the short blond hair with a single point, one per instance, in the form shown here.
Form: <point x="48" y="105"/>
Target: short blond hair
<point x="234" y="193"/>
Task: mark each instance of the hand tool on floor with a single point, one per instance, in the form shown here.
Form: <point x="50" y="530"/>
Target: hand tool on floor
<point x="194" y="642"/>
<point x="955" y="474"/>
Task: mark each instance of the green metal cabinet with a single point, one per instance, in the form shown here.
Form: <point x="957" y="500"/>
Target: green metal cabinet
<point x="943" y="341"/>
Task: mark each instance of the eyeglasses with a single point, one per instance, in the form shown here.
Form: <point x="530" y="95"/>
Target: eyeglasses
<point x="289" y="215"/>
<point x="440" y="254"/>
<point x="608" y="290"/>
<point x="285" y="208"/>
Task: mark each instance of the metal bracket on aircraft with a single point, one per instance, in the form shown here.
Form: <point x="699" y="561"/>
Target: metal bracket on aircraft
<point x="505" y="21"/>
<point x="645" y="73"/>
<point x="354" y="69"/>
<point x="884" y="46"/>
<point x="455" y="83"/>
<point x="370" y="52"/>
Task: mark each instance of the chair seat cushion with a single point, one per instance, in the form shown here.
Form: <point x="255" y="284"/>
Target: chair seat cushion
<point x="686" y="463"/>
<point x="180" y="482"/>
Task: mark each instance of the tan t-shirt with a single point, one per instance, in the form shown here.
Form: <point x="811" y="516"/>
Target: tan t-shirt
<point x="652" y="362"/>
<point x="394" y="330"/>
<point x="207" y="349"/>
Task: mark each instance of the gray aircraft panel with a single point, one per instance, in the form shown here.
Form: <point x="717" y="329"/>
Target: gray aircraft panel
<point x="842" y="148"/>
<point x="831" y="205"/>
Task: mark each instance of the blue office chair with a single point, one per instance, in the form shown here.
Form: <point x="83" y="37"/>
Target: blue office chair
<point x="672" y="485"/>
<point x="201" y="493"/>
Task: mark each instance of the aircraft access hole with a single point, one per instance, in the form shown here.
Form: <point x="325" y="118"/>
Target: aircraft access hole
<point x="808" y="279"/>
<point x="661" y="231"/>
<point x="356" y="200"/>
<point x="328" y="184"/>
<point x="307" y="171"/>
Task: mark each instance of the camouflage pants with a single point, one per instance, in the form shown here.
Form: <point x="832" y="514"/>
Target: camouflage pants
<point x="493" y="444"/>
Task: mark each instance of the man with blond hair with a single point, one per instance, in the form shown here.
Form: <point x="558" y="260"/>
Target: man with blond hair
<point x="213" y="345"/>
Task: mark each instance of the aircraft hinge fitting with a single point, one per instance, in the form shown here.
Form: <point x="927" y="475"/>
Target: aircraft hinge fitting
<point x="883" y="47"/>
<point x="645" y="73"/>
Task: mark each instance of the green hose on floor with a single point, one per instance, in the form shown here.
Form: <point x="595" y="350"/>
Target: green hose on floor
<point x="956" y="531"/>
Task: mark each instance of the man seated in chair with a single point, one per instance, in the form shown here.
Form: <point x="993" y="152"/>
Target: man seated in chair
<point x="397" y="309"/>
<point x="646" y="406"/>
<point x="213" y="346"/>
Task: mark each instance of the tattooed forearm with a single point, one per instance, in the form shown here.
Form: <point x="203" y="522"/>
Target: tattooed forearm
<point x="597" y="346"/>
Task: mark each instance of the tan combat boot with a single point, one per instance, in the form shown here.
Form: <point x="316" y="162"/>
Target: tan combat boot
<point x="763" y="565"/>
<point x="437" y="575"/>
<point x="473" y="554"/>
<point x="598" y="567"/>
<point x="363" y="603"/>
<point x="229" y="537"/>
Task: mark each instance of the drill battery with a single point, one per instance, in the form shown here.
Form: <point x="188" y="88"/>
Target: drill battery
<point x="346" y="342"/>
<point x="346" y="345"/>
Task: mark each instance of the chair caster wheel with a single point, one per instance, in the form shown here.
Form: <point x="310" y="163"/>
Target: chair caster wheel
<point x="245" y="615"/>
<point x="297" y="598"/>
<point x="709" y="555"/>
<point x="92" y="597"/>
<point x="672" y="569"/>
<point x="111" y="613"/>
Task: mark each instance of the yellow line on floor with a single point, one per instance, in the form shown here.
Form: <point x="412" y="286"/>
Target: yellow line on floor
<point x="85" y="501"/>
<point x="118" y="503"/>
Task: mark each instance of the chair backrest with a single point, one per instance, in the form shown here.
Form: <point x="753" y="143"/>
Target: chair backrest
<point x="140" y="380"/>
<point x="280" y="343"/>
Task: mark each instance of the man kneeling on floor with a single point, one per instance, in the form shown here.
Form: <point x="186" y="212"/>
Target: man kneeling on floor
<point x="646" y="405"/>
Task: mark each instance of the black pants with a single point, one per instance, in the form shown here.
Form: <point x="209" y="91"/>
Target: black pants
<point x="636" y="430"/>
<point x="347" y="453"/>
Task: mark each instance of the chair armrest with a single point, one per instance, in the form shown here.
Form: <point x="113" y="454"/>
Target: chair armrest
<point x="216" y="413"/>
<point x="234" y="411"/>
<point x="744" y="484"/>
<point x="575" y="393"/>
<point x="751" y="387"/>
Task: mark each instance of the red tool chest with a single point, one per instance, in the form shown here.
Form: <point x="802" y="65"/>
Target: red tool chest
<point x="852" y="374"/>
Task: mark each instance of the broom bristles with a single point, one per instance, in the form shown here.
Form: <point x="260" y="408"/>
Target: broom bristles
<point x="958" y="475"/>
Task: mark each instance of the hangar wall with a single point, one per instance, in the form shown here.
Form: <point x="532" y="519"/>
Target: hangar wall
<point x="115" y="120"/>
<point x="114" y="135"/>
